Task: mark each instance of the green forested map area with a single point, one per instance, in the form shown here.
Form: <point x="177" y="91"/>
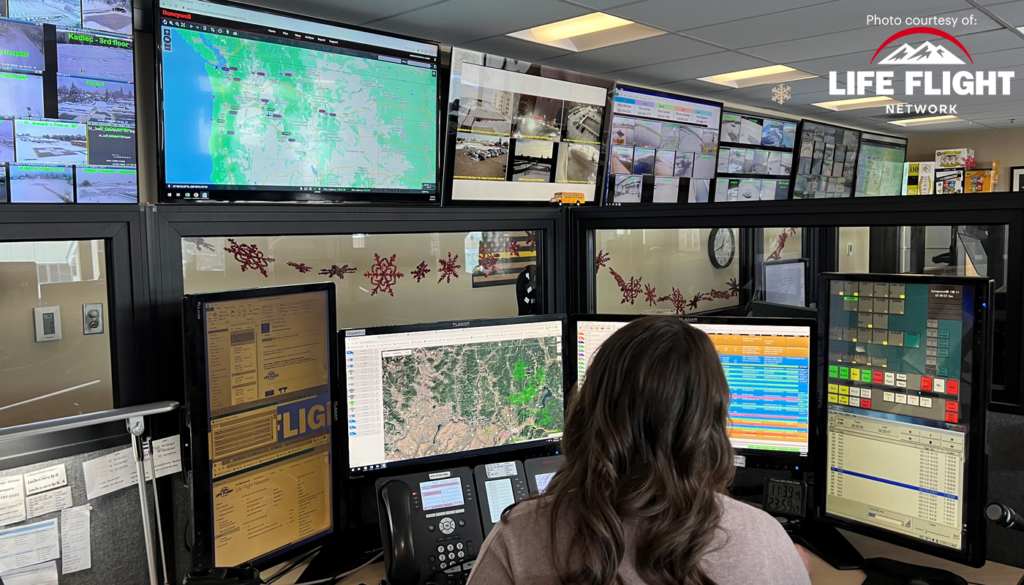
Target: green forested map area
<point x="290" y="116"/>
<point x="448" y="399"/>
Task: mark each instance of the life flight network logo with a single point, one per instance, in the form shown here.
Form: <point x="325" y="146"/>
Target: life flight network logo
<point x="929" y="82"/>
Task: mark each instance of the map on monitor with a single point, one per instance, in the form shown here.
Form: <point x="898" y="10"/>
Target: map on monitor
<point x="424" y="395"/>
<point x="259" y="103"/>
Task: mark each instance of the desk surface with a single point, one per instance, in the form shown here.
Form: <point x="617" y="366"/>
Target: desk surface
<point x="821" y="572"/>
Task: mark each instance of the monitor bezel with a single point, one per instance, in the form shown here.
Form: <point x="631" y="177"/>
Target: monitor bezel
<point x="255" y="196"/>
<point x="451" y="459"/>
<point x="973" y="553"/>
<point x="769" y="263"/>
<point x="754" y="458"/>
<point x="450" y="132"/>
<point x="200" y="481"/>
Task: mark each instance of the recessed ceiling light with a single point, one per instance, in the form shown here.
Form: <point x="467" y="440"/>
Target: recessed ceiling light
<point x="926" y="120"/>
<point x="759" y="76"/>
<point x="587" y="32"/>
<point x="858" y="103"/>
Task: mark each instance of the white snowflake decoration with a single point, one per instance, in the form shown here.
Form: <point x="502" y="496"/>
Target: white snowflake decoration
<point x="781" y="93"/>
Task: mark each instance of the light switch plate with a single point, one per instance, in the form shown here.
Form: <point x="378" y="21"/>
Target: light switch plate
<point x="92" y="325"/>
<point x="47" y="323"/>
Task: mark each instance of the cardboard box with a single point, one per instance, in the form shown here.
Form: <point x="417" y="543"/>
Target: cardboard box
<point x="919" y="178"/>
<point x="952" y="157"/>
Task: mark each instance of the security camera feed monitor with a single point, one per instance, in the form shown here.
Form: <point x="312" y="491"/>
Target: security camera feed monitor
<point x="425" y="394"/>
<point x="519" y="132"/>
<point x="663" y="147"/>
<point x="880" y="165"/>
<point x="269" y="424"/>
<point x="259" y="106"/>
<point x="768" y="371"/>
<point x="67" y="102"/>
<point x="784" y="282"/>
<point x="899" y="385"/>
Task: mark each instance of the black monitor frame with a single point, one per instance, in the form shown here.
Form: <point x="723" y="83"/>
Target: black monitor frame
<point x="466" y="458"/>
<point x="975" y="478"/>
<point x="754" y="458"/>
<point x="250" y="195"/>
<point x="768" y="263"/>
<point x="197" y="469"/>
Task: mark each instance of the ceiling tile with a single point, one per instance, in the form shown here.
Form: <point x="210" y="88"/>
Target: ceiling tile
<point x="820" y="19"/>
<point x="345" y="11"/>
<point x="851" y="41"/>
<point x="1011" y="12"/>
<point x="514" y="48"/>
<point x="460" y="21"/>
<point x="702" y="66"/>
<point x="605" y="4"/>
<point x="672" y="15"/>
<point x="667" y="47"/>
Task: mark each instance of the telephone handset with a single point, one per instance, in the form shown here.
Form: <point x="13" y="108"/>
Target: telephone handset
<point x="430" y="527"/>
<point x="500" y="485"/>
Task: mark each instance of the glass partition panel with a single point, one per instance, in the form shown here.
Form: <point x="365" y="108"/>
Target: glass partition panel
<point x="54" y="352"/>
<point x="667" y="270"/>
<point x="382" y="279"/>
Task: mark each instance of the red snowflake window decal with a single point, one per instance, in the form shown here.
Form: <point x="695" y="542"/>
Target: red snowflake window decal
<point x="448" y="268"/>
<point x="513" y="248"/>
<point x="487" y="261"/>
<point x="383" y="275"/>
<point x="421" y="271"/>
<point x="301" y="267"/>
<point x="630" y="290"/>
<point x="339" y="271"/>
<point x="677" y="299"/>
<point x="651" y="295"/>
<point x="249" y="256"/>
<point x="200" y="244"/>
<point x="601" y="260"/>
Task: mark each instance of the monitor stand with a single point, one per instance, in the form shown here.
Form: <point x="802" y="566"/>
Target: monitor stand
<point x="349" y="550"/>
<point x="890" y="572"/>
<point x="828" y="543"/>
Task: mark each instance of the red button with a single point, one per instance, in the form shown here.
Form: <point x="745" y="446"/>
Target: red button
<point x="952" y="417"/>
<point x="878" y="377"/>
<point x="952" y="387"/>
<point x="865" y="403"/>
<point x="926" y="383"/>
<point x="952" y="406"/>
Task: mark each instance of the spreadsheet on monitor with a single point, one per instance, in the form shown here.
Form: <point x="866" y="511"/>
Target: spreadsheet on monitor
<point x="768" y="371"/>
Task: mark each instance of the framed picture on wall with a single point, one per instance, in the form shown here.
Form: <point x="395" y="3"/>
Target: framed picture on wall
<point x="1016" y="178"/>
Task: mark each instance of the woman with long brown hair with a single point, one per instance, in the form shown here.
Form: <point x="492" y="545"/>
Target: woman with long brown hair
<point x="640" y="497"/>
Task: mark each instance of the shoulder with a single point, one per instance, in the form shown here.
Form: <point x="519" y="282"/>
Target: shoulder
<point x="530" y="518"/>
<point x="750" y="525"/>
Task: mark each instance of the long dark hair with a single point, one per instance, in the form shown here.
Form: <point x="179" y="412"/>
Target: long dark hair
<point x="645" y="441"/>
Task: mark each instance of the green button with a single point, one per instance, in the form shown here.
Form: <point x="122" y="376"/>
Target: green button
<point x="865" y="375"/>
<point x="833" y="371"/>
<point x="844" y="373"/>
<point x="943" y="343"/>
<point x="912" y="340"/>
<point x="943" y="371"/>
<point x="943" y="353"/>
<point x="944" y="333"/>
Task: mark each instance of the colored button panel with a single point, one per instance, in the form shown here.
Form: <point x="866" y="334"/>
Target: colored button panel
<point x="844" y="373"/>
<point x="844" y="390"/>
<point x="833" y="371"/>
<point x="865" y="403"/>
<point x="833" y="398"/>
<point x="952" y="417"/>
<point x="844" y="400"/>
<point x="926" y="383"/>
<point x="833" y="388"/>
<point x="952" y="406"/>
<point x="865" y="376"/>
<point x="878" y="377"/>
<point x="953" y="387"/>
<point x="926" y="402"/>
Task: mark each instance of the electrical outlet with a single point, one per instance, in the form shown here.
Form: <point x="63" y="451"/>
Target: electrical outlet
<point x="92" y="319"/>
<point x="47" y="323"/>
<point x="849" y="249"/>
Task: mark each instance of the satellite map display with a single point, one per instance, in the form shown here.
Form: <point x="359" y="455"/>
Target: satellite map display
<point x="245" y="112"/>
<point x="457" y="398"/>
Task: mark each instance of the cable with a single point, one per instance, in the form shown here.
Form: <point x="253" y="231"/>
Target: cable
<point x="292" y="566"/>
<point x="329" y="580"/>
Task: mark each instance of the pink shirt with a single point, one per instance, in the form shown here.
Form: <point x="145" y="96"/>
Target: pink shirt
<point x="751" y="548"/>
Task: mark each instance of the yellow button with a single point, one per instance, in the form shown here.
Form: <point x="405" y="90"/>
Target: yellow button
<point x="833" y="388"/>
<point x="833" y="398"/>
<point x="844" y="390"/>
<point x="854" y="374"/>
<point x="844" y="400"/>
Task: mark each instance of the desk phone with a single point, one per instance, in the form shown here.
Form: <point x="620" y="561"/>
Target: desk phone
<point x="540" y="471"/>
<point x="500" y="485"/>
<point x="430" y="527"/>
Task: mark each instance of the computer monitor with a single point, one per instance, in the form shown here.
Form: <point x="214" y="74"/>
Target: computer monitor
<point x="768" y="365"/>
<point x="902" y="410"/>
<point x="785" y="282"/>
<point x="763" y="309"/>
<point x="261" y="367"/>
<point x="433" y="392"/>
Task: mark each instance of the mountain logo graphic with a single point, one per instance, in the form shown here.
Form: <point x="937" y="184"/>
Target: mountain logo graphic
<point x="924" y="54"/>
<point x="927" y="53"/>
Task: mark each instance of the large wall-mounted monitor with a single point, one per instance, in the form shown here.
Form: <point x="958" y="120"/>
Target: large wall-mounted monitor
<point x="880" y="165"/>
<point x="261" y="106"/>
<point x="520" y="133"/>
<point x="902" y="410"/>
<point x="67" y="102"/>
<point x="785" y="283"/>
<point x="826" y="161"/>
<point x="262" y="366"/>
<point x="769" y="365"/>
<point x="427" y="393"/>
<point x="662" y="147"/>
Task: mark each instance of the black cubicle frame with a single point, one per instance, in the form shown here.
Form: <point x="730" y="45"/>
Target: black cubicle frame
<point x="122" y="228"/>
<point x="827" y="215"/>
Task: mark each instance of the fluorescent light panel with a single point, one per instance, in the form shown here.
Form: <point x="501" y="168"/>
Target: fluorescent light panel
<point x="858" y="103"/>
<point x="925" y="121"/>
<point x="758" y="76"/>
<point x="587" y="32"/>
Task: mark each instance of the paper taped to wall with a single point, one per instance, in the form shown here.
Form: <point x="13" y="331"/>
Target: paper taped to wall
<point x="29" y="545"/>
<point x="75" y="539"/>
<point x="41" y="574"/>
<point x="12" y="500"/>
<point x="45" y="479"/>
<point x="117" y="471"/>
<point x="49" y="502"/>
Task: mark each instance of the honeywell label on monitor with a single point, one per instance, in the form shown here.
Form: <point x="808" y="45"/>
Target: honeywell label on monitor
<point x="498" y="470"/>
<point x="440" y="475"/>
